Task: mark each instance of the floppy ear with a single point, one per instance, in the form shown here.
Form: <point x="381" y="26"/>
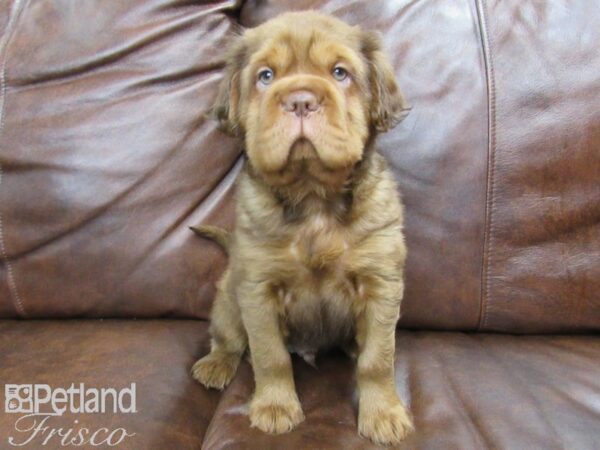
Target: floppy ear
<point x="226" y="106"/>
<point x="388" y="105"/>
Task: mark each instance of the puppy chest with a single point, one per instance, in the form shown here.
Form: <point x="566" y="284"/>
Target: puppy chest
<point x="318" y="249"/>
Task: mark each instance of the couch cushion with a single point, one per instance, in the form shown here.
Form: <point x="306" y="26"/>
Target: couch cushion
<point x="542" y="248"/>
<point x="497" y="162"/>
<point x="438" y="157"/>
<point x="173" y="410"/>
<point x="107" y="157"/>
<point x="466" y="391"/>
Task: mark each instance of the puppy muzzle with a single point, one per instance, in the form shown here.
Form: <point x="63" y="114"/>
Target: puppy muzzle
<point x="302" y="109"/>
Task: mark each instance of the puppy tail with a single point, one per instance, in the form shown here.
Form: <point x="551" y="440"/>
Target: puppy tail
<point x="219" y="235"/>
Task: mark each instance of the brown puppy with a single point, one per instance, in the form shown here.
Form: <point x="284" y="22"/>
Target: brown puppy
<point x="317" y="255"/>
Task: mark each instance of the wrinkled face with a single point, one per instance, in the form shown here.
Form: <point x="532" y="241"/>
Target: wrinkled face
<point x="306" y="91"/>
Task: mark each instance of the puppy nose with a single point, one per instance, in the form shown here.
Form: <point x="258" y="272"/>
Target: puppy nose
<point x="301" y="103"/>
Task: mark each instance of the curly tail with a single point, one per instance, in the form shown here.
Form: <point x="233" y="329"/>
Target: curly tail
<point x="219" y="235"/>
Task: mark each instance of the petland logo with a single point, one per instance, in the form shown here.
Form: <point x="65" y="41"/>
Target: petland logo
<point x="40" y="403"/>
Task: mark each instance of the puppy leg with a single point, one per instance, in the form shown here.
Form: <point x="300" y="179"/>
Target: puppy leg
<point x="274" y="407"/>
<point x="382" y="417"/>
<point x="228" y="342"/>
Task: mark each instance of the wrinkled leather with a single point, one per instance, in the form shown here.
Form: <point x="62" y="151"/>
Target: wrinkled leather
<point x="466" y="391"/>
<point x="107" y="157"/>
<point x="173" y="410"/>
<point x="542" y="267"/>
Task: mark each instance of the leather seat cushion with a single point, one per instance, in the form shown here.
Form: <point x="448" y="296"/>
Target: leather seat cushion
<point x="466" y="391"/>
<point x="173" y="410"/>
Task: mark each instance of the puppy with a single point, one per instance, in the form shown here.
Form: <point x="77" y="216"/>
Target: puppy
<point x="317" y="255"/>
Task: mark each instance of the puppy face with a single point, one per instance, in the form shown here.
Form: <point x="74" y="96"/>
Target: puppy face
<point x="306" y="92"/>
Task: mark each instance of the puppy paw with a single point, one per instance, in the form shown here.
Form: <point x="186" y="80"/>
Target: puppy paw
<point x="385" y="425"/>
<point x="275" y="415"/>
<point x="215" y="370"/>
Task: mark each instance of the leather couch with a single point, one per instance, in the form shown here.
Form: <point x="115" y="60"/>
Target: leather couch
<point x="107" y="158"/>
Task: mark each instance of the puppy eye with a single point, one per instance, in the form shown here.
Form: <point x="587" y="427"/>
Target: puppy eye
<point x="265" y="76"/>
<point x="339" y="73"/>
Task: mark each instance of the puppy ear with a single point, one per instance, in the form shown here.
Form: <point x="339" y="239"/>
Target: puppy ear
<point x="226" y="106"/>
<point x="388" y="105"/>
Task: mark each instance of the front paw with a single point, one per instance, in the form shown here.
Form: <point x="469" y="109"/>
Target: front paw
<point x="384" y="424"/>
<point x="275" y="413"/>
<point x="215" y="370"/>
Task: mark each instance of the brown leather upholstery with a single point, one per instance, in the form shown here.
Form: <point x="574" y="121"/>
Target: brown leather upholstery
<point x="466" y="391"/>
<point x="106" y="157"/>
<point x="173" y="411"/>
<point x="543" y="206"/>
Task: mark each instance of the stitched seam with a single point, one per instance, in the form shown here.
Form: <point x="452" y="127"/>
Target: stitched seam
<point x="488" y="241"/>
<point x="10" y="276"/>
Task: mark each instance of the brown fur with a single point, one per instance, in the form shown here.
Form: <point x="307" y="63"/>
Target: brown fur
<point x="317" y="255"/>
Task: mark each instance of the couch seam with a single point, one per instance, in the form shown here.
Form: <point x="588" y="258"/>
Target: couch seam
<point x="488" y="238"/>
<point x="211" y="421"/>
<point x="10" y="276"/>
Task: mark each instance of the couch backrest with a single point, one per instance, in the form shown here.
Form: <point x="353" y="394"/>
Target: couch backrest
<point x="107" y="157"/>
